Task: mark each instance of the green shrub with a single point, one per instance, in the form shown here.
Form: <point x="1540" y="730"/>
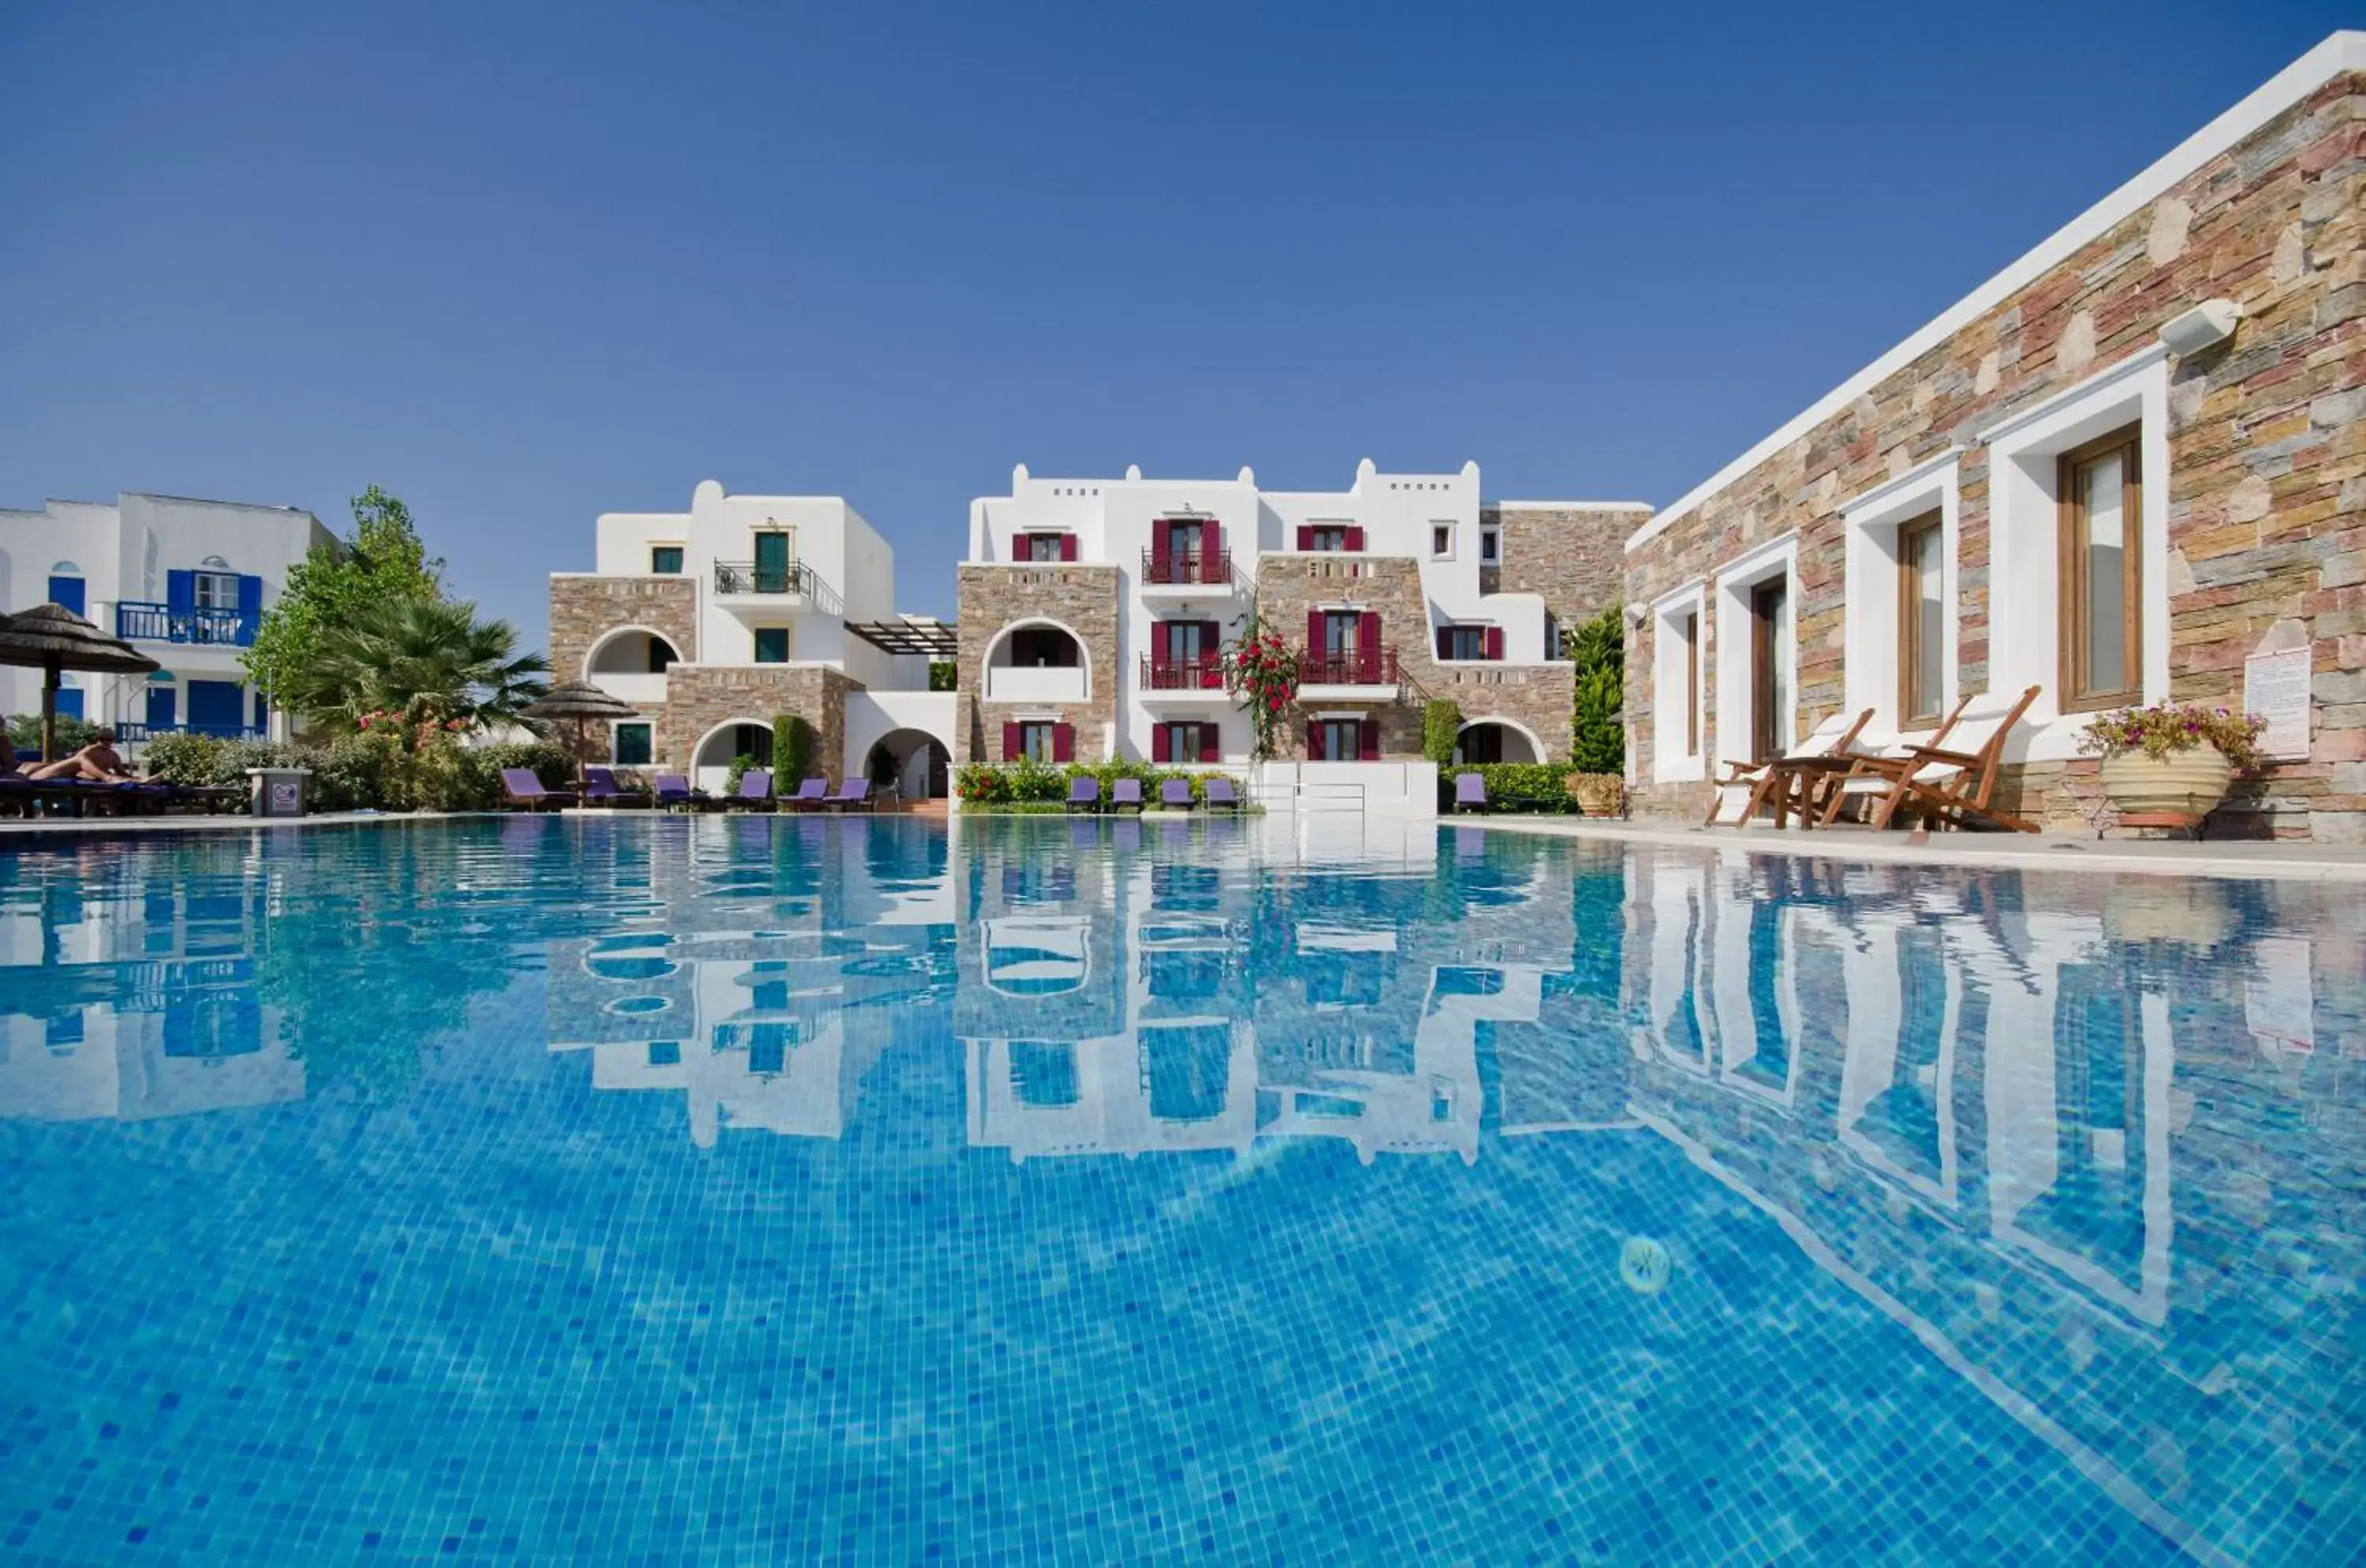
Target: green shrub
<point x="1441" y="725"/>
<point x="945" y="676"/>
<point x="1514" y="787"/>
<point x="792" y="748"/>
<point x="1024" y="782"/>
<point x="1599" y="721"/>
<point x="73" y="734"/>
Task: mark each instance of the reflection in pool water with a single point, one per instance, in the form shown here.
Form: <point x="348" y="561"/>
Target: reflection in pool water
<point x="725" y="1190"/>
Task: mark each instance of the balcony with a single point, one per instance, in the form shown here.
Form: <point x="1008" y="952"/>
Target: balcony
<point x="1046" y="683"/>
<point x="1357" y="677"/>
<point x="1199" y="569"/>
<point x="1181" y="678"/>
<point x="132" y="732"/>
<point x="141" y="621"/>
<point x="770" y="580"/>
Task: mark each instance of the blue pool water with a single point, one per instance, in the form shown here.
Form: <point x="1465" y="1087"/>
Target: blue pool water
<point x="750" y="1190"/>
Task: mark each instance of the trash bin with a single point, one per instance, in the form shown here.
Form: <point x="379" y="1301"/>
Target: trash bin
<point x="278" y="792"/>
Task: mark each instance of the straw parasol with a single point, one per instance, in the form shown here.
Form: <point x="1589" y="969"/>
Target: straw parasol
<point x="54" y="639"/>
<point x="582" y="702"/>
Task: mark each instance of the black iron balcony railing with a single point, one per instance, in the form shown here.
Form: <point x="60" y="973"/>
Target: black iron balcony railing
<point x="1189" y="568"/>
<point x="1378" y="667"/>
<point x="138" y="620"/>
<point x="763" y="577"/>
<point x="1205" y="674"/>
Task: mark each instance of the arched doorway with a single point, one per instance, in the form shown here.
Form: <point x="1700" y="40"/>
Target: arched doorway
<point x="710" y="764"/>
<point x="1492" y="740"/>
<point x="1037" y="660"/>
<point x="631" y="650"/>
<point x="913" y="762"/>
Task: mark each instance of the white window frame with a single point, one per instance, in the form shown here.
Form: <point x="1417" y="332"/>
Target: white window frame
<point x="1452" y="531"/>
<point x="2025" y="554"/>
<point x="1671" y="763"/>
<point x="213" y="580"/>
<point x="1736" y="697"/>
<point x="618" y="725"/>
<point x="1870" y="676"/>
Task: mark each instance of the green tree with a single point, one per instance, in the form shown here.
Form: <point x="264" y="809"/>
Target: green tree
<point x="427" y="661"/>
<point x="1599" y="648"/>
<point x="381" y="559"/>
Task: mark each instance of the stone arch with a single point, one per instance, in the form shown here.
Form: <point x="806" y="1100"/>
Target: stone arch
<point x="1512" y="729"/>
<point x="1000" y="642"/>
<point x="711" y="757"/>
<point x="621" y="638"/>
<point x="917" y="763"/>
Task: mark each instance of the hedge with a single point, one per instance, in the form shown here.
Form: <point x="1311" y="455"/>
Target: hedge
<point x="364" y="771"/>
<point x="1002" y="784"/>
<point x="1512" y="786"/>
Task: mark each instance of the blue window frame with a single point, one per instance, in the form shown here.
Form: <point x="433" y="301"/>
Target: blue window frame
<point x="772" y="645"/>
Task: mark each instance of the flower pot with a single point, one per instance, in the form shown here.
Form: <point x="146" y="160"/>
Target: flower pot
<point x="1597" y="794"/>
<point x="2186" y="783"/>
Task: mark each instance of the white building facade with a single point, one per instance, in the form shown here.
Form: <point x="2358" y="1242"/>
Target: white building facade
<point x="183" y="580"/>
<point x="715" y="621"/>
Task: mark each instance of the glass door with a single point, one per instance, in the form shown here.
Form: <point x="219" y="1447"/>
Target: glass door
<point x="1770" y="659"/>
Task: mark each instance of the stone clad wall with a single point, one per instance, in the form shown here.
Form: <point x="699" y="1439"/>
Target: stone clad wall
<point x="1083" y="598"/>
<point x="701" y="696"/>
<point x="1574" y="556"/>
<point x="1537" y="695"/>
<point x="2267" y="482"/>
<point x="584" y="609"/>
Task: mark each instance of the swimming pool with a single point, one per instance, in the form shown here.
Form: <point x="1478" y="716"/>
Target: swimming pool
<point x="737" y="1190"/>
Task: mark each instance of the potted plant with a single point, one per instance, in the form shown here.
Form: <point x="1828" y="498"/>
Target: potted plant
<point x="2172" y="760"/>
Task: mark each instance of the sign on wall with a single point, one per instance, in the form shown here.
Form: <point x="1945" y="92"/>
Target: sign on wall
<point x="2275" y="687"/>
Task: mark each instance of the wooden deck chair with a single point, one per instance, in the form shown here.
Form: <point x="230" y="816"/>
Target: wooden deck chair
<point x="1872" y="776"/>
<point x="1770" y="779"/>
<point x="1953" y="787"/>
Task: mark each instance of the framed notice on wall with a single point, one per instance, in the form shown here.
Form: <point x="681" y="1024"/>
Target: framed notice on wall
<point x="2275" y="687"/>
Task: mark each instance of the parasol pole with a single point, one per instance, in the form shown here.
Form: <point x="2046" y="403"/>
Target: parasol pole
<point x="51" y="669"/>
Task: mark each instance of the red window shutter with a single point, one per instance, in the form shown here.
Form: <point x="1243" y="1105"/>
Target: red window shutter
<point x="1161" y="539"/>
<point x="1064" y="743"/>
<point x="1067" y="546"/>
<point x="1212" y="668"/>
<point x="1011" y="744"/>
<point x="1305" y="537"/>
<point x="1208" y="752"/>
<point x="1367" y="740"/>
<point x="1314" y="634"/>
<point x="1019" y="546"/>
<point x="1315" y="740"/>
<point x="1367" y="645"/>
<point x="1355" y="538"/>
<point x="1161" y="744"/>
<point x="1495" y="642"/>
<point x="1211" y="549"/>
<point x="1446" y="642"/>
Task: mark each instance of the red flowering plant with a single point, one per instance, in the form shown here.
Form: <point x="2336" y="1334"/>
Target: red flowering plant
<point x="1261" y="673"/>
<point x="2175" y="726"/>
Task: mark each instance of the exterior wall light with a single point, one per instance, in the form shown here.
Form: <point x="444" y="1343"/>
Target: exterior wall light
<point x="2209" y="322"/>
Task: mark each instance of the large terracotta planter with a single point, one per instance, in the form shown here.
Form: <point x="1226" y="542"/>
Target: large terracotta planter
<point x="2184" y="784"/>
<point x="1597" y="794"/>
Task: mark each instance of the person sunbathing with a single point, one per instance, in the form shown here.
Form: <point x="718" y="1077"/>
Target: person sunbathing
<point x="99" y="761"/>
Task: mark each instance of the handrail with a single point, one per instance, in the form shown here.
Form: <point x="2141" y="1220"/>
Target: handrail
<point x="1376" y="669"/>
<point x="1188" y="568"/>
<point x="141" y="620"/>
<point x="1203" y="673"/>
<point x="786" y="578"/>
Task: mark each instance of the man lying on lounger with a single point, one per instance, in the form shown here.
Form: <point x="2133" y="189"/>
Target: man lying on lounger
<point x="99" y="761"/>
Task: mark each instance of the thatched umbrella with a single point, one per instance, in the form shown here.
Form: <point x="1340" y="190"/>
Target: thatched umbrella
<point x="54" y="639"/>
<point x="582" y="702"/>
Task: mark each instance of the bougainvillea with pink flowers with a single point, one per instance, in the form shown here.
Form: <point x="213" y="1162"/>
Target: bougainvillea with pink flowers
<point x="1261" y="673"/>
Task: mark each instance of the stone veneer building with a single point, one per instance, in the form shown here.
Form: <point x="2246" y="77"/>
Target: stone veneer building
<point x="715" y="621"/>
<point x="1092" y="613"/>
<point x="2129" y="467"/>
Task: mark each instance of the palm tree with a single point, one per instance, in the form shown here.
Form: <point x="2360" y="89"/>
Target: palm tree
<point x="428" y="659"/>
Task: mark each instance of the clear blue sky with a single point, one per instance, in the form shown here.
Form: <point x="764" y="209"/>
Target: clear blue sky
<point x="523" y="265"/>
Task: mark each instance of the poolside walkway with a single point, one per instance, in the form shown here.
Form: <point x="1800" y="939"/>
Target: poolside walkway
<point x="2284" y="859"/>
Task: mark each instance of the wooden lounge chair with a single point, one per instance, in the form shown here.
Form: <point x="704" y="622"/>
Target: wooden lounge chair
<point x="1125" y="792"/>
<point x="809" y="796"/>
<point x="755" y="792"/>
<point x="1175" y="795"/>
<point x="1821" y="789"/>
<point x="1221" y="797"/>
<point x="1941" y="787"/>
<point x="525" y="792"/>
<point x="1777" y="779"/>
<point x="1083" y="794"/>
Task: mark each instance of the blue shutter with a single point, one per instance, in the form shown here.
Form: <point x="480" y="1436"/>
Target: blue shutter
<point x="69" y="701"/>
<point x="262" y="710"/>
<point x="217" y="707"/>
<point x="163" y="708"/>
<point x="250" y="609"/>
<point x="68" y="592"/>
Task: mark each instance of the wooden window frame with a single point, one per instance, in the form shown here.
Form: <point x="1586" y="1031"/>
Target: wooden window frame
<point x="1910" y="621"/>
<point x="2070" y="581"/>
<point x="1691" y="625"/>
<point x="1767" y="740"/>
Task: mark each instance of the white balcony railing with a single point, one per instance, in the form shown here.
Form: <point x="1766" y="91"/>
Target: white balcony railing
<point x="1034" y="683"/>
